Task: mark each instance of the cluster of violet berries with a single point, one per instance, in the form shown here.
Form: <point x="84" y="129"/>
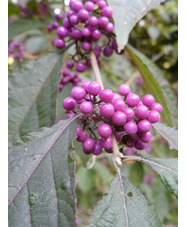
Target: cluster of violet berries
<point x="84" y="25"/>
<point x="55" y="24"/>
<point x="68" y="77"/>
<point x="16" y="50"/>
<point x="123" y="115"/>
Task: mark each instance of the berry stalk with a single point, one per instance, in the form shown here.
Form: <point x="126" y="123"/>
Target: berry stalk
<point x="116" y="154"/>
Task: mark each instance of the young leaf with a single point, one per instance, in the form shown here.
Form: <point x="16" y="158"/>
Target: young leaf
<point x="168" y="133"/>
<point x="41" y="178"/>
<point x="20" y="26"/>
<point x="166" y="168"/>
<point x="32" y="95"/>
<point x="157" y="85"/>
<point x="110" y="211"/>
<point x="126" y="14"/>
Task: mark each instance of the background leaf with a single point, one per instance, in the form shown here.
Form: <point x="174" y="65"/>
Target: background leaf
<point x="157" y="85"/>
<point x="126" y="14"/>
<point x="20" y="26"/>
<point x="41" y="178"/>
<point x="110" y="212"/>
<point x="168" y="133"/>
<point x="166" y="168"/>
<point x="35" y="44"/>
<point x="32" y="95"/>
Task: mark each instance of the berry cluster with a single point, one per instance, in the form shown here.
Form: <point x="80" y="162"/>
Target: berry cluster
<point x="84" y="25"/>
<point x="68" y="77"/>
<point x="55" y="24"/>
<point x="123" y="115"/>
<point x="16" y="50"/>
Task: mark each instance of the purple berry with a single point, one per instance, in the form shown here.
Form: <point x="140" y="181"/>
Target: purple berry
<point x="86" y="107"/>
<point x="119" y="118"/>
<point x="104" y="130"/>
<point x="139" y="145"/>
<point x="145" y="136"/>
<point x="102" y="22"/>
<point x="50" y="27"/>
<point x="157" y="107"/>
<point x="69" y="103"/>
<point x="70" y="115"/>
<point x="101" y="4"/>
<point x="154" y="116"/>
<point x="109" y="27"/>
<point x="70" y="64"/>
<point x="86" y="32"/>
<point x="83" y="15"/>
<point x="96" y="34"/>
<point x="141" y="112"/>
<point x="85" y="84"/>
<point x="66" y="23"/>
<point x="81" y="66"/>
<point x="144" y="126"/>
<point x="76" y="34"/>
<point x="132" y="99"/>
<point x="118" y="136"/>
<point x="78" y="93"/>
<point x="58" y="16"/>
<point x="55" y="25"/>
<point x="115" y="97"/>
<point x="114" y="45"/>
<point x="60" y="121"/>
<point x="110" y="151"/>
<point x="107" y="142"/>
<point x="89" y="6"/>
<point x="77" y="6"/>
<point x="70" y="13"/>
<point x="124" y="89"/>
<point x="62" y="32"/>
<point x="82" y="135"/>
<point x="59" y="43"/>
<point x="88" y="145"/>
<point x="108" y="51"/>
<point x="119" y="105"/>
<point x="107" y="12"/>
<point x="130" y="128"/>
<point x="86" y="45"/>
<point x="98" y="148"/>
<point x="106" y="95"/>
<point x="107" y="110"/>
<point x="148" y="100"/>
<point x="74" y="19"/>
<point x="94" y="88"/>
<point x="93" y="21"/>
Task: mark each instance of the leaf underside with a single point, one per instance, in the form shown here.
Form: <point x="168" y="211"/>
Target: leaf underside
<point x="41" y="178"/>
<point x="110" y="210"/>
<point x="32" y="95"/>
<point x="157" y="85"/>
<point x="126" y="14"/>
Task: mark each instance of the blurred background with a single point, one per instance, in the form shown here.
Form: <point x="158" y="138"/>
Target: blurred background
<point x="156" y="36"/>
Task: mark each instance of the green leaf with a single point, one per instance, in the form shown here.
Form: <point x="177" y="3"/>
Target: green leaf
<point x="124" y="205"/>
<point x="126" y="14"/>
<point x="41" y="178"/>
<point x="166" y="168"/>
<point x="13" y="9"/>
<point x="157" y="85"/>
<point x="32" y="95"/>
<point x="20" y="26"/>
<point x="168" y="133"/>
<point x="35" y="44"/>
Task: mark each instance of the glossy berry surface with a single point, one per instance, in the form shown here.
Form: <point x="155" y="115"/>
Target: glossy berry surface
<point x="157" y="107"/>
<point x="119" y="105"/>
<point x="107" y="12"/>
<point x="148" y="100"/>
<point x="81" y="66"/>
<point x="78" y="93"/>
<point x="106" y="95"/>
<point x="141" y="112"/>
<point x="129" y="113"/>
<point x="124" y="89"/>
<point x="154" y="116"/>
<point x="119" y="118"/>
<point x="107" y="142"/>
<point x="94" y="88"/>
<point x="59" y="43"/>
<point x="132" y="100"/>
<point x="88" y="145"/>
<point x="86" y="107"/>
<point x="89" y="6"/>
<point x="144" y="126"/>
<point x="69" y="103"/>
<point x="107" y="110"/>
<point x="130" y="128"/>
<point x="104" y="130"/>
